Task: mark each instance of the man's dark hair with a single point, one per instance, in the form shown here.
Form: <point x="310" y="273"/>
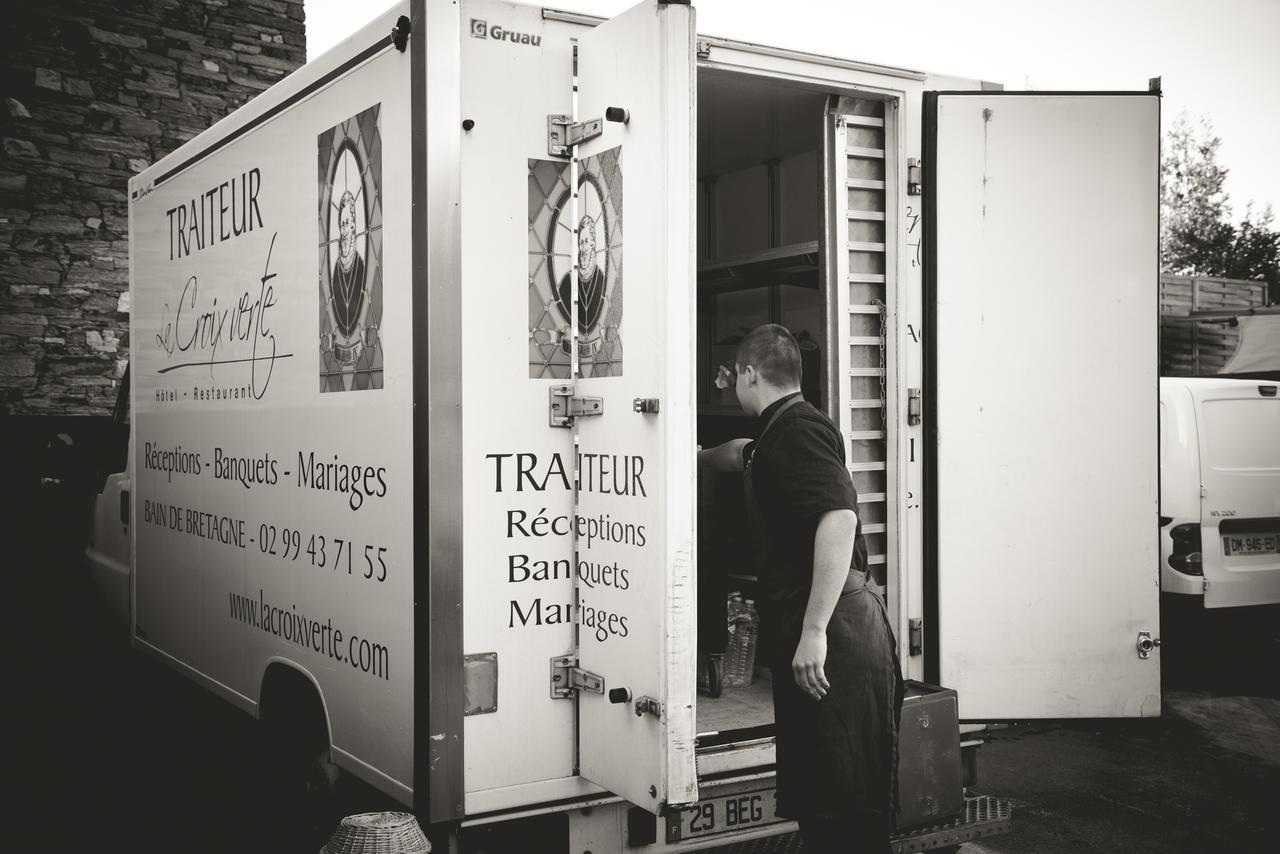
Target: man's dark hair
<point x="773" y="352"/>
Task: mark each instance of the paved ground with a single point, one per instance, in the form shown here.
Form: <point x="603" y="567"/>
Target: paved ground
<point x="113" y="752"/>
<point x="1205" y="777"/>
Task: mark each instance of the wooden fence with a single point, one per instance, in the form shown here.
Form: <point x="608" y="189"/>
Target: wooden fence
<point x="1201" y="348"/>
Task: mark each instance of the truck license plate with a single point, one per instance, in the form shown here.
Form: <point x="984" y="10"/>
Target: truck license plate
<point x="1251" y="544"/>
<point x="723" y="815"/>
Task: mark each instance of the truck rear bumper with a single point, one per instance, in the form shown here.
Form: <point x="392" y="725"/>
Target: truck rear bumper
<point x="983" y="815"/>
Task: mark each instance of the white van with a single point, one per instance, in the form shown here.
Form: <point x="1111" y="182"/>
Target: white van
<point x="1220" y="490"/>
<point x="412" y="473"/>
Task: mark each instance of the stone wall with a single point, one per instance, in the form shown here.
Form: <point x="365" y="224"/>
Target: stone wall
<point x="94" y="91"/>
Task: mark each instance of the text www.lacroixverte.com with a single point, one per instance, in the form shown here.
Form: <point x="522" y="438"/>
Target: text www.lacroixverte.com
<point x="364" y="655"/>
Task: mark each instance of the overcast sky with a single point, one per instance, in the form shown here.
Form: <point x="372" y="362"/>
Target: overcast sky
<point x="1219" y="59"/>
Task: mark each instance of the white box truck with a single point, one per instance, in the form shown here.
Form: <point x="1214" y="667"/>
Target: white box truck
<point x="420" y="342"/>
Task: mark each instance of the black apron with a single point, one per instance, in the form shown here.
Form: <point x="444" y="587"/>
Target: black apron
<point x="836" y="757"/>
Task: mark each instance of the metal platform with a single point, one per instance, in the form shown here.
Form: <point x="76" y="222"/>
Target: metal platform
<point x="984" y="815"/>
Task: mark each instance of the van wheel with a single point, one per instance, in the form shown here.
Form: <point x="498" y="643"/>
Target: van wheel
<point x="300" y="801"/>
<point x="298" y="781"/>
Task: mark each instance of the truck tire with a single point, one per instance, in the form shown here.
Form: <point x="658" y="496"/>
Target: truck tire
<point x="297" y="779"/>
<point x="302" y="798"/>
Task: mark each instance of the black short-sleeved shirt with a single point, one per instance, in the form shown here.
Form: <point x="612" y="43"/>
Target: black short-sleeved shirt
<point x="798" y="473"/>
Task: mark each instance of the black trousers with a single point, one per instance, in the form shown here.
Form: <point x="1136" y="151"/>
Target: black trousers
<point x="838" y="756"/>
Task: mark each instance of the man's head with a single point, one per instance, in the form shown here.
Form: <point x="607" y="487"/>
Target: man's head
<point x="347" y="229"/>
<point x="768" y="367"/>
<point x="586" y="247"/>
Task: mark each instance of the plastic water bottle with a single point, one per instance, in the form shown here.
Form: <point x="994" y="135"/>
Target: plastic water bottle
<point x="736" y="608"/>
<point x="740" y="655"/>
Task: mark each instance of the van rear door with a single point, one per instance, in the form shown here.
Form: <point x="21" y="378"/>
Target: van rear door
<point x="1239" y="422"/>
<point x="636" y="597"/>
<point x="1041" y="217"/>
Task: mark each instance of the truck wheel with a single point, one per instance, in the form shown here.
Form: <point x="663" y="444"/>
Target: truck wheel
<point x="299" y="795"/>
<point x="298" y="780"/>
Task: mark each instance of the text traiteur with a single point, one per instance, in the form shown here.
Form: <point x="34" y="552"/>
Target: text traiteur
<point x="216" y="215"/>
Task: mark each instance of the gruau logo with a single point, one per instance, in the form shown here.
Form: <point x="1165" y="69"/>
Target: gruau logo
<point x="482" y="30"/>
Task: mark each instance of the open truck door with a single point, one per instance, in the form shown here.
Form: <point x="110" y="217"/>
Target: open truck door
<point x="1041" y="397"/>
<point x="635" y="348"/>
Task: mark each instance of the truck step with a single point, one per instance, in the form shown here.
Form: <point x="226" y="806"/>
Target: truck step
<point x="984" y="815"/>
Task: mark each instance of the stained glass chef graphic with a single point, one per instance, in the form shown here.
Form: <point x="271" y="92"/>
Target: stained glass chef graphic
<point x="348" y="299"/>
<point x="347" y="302"/>
<point x="593" y="238"/>
<point x="590" y="279"/>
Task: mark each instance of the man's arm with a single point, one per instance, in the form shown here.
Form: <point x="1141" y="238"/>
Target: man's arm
<point x="726" y="457"/>
<point x="832" y="549"/>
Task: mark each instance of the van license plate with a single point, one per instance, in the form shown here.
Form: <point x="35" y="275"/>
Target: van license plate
<point x="1251" y="544"/>
<point x="723" y="814"/>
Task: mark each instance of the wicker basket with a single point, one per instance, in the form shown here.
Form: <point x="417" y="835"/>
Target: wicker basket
<point x="740" y="655"/>
<point x="378" y="833"/>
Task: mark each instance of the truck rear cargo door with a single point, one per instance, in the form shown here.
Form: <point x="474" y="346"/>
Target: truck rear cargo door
<point x="635" y="256"/>
<point x="1041" y="395"/>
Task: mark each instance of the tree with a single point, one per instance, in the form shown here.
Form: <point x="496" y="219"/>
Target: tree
<point x="1197" y="237"/>
<point x="1256" y="252"/>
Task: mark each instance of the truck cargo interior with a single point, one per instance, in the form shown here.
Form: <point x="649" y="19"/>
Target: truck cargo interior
<point x="760" y="215"/>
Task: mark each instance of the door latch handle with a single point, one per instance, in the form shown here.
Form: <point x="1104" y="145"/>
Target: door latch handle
<point x="1146" y="644"/>
<point x="648" y="706"/>
<point x="124" y="507"/>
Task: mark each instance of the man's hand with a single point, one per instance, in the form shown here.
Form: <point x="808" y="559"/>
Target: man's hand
<point x="811" y="656"/>
<point x="726" y="377"/>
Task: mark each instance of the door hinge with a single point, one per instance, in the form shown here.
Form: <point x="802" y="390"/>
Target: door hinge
<point x="1204" y="585"/>
<point x="913" y="406"/>
<point x="563" y="406"/>
<point x="915" y="636"/>
<point x="1146" y="644"/>
<point x="563" y="133"/>
<point x="704" y="49"/>
<point x="567" y="677"/>
<point x="915" y="176"/>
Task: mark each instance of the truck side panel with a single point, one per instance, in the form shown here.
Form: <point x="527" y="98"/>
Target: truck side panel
<point x="272" y="376"/>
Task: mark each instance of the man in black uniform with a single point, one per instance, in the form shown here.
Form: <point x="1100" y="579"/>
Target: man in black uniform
<point x="837" y="686"/>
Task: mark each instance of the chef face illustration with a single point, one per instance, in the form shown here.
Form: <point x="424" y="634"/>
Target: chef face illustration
<point x="347" y="231"/>
<point x="586" y="248"/>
